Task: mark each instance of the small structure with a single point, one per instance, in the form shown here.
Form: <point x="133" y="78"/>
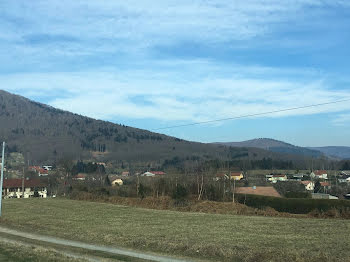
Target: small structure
<point x="309" y="185"/>
<point x="221" y="176"/>
<point x="148" y="174"/>
<point x="322" y="196"/>
<point x="259" y="190"/>
<point x="12" y="188"/>
<point x="344" y="177"/>
<point x="276" y="178"/>
<point x="236" y="175"/>
<point x="117" y="181"/>
<point x="153" y="173"/>
<point x="319" y="174"/>
<point x="80" y="177"/>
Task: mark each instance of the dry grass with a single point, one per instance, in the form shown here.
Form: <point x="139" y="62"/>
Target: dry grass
<point x="14" y="252"/>
<point x="211" y="236"/>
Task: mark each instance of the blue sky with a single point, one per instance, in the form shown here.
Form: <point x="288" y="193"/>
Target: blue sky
<point x="152" y="64"/>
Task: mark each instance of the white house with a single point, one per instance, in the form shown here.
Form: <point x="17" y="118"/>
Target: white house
<point x="12" y="188"/>
<point x="320" y="174"/>
<point x="275" y="178"/>
<point x="148" y="174"/>
<point x="309" y="185"/>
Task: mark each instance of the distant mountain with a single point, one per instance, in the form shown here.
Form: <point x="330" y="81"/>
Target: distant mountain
<point x="46" y="134"/>
<point x="275" y="146"/>
<point x="340" y="152"/>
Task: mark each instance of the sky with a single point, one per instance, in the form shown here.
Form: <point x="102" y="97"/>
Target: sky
<point x="155" y="64"/>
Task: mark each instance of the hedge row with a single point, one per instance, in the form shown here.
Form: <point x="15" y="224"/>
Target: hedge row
<point x="292" y="205"/>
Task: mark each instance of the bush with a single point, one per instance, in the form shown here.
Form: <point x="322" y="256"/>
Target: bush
<point x="180" y="194"/>
<point x="293" y="205"/>
<point x="297" y="195"/>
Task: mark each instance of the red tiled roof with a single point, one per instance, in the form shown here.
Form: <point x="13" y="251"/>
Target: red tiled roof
<point x="320" y="172"/>
<point x="305" y="182"/>
<point x="324" y="184"/>
<point x="236" y="173"/>
<point x="10" y="183"/>
<point x="259" y="190"/>
<point x="158" y="172"/>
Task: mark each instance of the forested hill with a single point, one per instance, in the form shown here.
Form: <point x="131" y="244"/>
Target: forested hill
<point x="46" y="134"/>
<point x="276" y="146"/>
<point x="43" y="133"/>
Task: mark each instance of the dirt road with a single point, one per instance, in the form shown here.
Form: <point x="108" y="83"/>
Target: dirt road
<point x="90" y="247"/>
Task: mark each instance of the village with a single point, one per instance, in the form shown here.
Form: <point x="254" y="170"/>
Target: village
<point x="52" y="181"/>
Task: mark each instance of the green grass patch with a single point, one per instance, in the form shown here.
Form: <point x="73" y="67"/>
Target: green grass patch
<point x="204" y="236"/>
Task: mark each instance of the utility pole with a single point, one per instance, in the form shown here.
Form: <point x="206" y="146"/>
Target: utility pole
<point x="23" y="178"/>
<point x="2" y="174"/>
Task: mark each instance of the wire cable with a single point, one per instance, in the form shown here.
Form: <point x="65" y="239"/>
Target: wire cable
<point x="251" y="115"/>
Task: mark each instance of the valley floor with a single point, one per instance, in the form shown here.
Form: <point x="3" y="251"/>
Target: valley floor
<point x="198" y="236"/>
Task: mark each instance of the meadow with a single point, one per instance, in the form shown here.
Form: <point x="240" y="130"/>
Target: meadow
<point x="215" y="237"/>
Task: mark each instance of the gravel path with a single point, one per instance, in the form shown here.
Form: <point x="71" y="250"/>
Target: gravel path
<point x="110" y="250"/>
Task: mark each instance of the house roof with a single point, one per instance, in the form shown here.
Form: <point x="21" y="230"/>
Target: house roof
<point x="10" y="183"/>
<point x="279" y="175"/>
<point x="259" y="190"/>
<point x="158" y="172"/>
<point x="80" y="175"/>
<point x="320" y="172"/>
<point x="305" y="183"/>
<point x="236" y="173"/>
<point x="325" y="184"/>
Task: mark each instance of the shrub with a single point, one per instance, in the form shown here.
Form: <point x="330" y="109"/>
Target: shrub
<point x="292" y="205"/>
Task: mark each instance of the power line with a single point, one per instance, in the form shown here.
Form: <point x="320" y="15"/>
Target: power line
<point x="251" y="115"/>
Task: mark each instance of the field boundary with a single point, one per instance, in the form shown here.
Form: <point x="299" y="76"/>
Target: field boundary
<point x="91" y="247"/>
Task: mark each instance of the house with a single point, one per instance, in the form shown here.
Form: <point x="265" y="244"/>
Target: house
<point x="48" y="168"/>
<point x="125" y="174"/>
<point x="153" y="173"/>
<point x="319" y="174"/>
<point x="117" y="181"/>
<point x="309" y="185"/>
<point x="236" y="175"/>
<point x="221" y="176"/>
<point x="325" y="185"/>
<point x="258" y="190"/>
<point x="12" y="188"/>
<point x="158" y="173"/>
<point x="298" y="176"/>
<point x="275" y="178"/>
<point x="80" y="177"/>
<point x="39" y="170"/>
<point x="43" y="172"/>
<point x="148" y="174"/>
<point x="344" y="179"/>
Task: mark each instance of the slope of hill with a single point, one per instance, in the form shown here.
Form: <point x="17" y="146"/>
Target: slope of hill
<point x="275" y="146"/>
<point x="341" y="152"/>
<point x="42" y="133"/>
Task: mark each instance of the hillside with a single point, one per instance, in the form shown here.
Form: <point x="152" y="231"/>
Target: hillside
<point x="340" y="152"/>
<point x="275" y="146"/>
<point x="42" y="134"/>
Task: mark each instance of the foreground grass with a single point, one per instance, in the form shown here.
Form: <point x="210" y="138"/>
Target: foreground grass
<point x="14" y="252"/>
<point x="210" y="236"/>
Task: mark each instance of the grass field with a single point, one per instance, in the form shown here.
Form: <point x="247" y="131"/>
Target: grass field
<point x="12" y="252"/>
<point x="203" y="236"/>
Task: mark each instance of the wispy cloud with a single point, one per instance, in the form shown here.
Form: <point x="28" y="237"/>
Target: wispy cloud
<point x="189" y="97"/>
